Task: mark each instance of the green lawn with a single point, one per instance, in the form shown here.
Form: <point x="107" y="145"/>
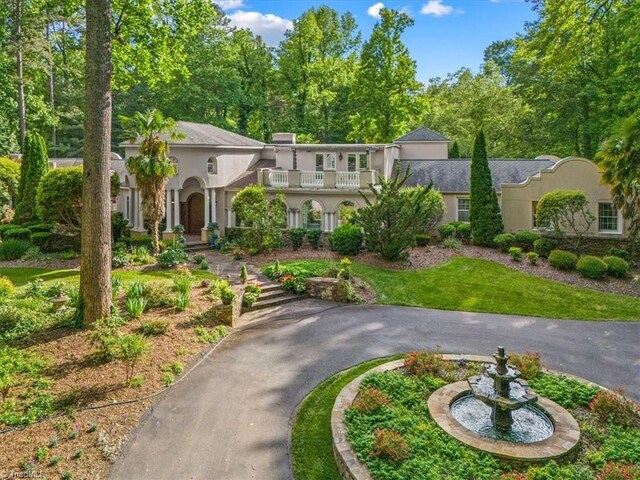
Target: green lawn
<point x="21" y="276"/>
<point x="475" y="285"/>
<point x="311" y="440"/>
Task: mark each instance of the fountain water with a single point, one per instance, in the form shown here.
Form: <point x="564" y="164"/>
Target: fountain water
<point x="507" y="397"/>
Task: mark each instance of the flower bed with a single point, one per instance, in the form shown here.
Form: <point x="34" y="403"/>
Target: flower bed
<point x="390" y="429"/>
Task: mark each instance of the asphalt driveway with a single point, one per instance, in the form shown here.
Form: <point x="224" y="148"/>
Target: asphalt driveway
<point x="230" y="419"/>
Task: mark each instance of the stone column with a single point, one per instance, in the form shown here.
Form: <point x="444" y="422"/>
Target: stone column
<point x="207" y="207"/>
<point x="139" y="217"/>
<point x="129" y="206"/>
<point x="229" y="218"/>
<point x="167" y="211"/>
<point x="176" y="206"/>
<point x="214" y="208"/>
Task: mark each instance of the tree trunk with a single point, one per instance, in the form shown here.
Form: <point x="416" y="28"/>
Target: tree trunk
<point x="19" y="64"/>
<point x="155" y="238"/>
<point x="54" y="138"/>
<point x="95" y="263"/>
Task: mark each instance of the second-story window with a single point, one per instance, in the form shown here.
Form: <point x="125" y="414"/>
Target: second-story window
<point x="319" y="162"/>
<point x="351" y="162"/>
<point x="330" y="161"/>
<point x="363" y="161"/>
<point x="212" y="165"/>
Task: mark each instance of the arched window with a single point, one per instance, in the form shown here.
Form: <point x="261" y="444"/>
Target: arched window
<point x="212" y="165"/>
<point x="311" y="215"/>
<point x="174" y="162"/>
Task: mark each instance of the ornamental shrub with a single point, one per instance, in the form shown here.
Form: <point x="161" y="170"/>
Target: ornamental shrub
<point x="544" y="246"/>
<point x="504" y="241"/>
<point x="314" y="238"/>
<point x="13" y="249"/>
<point x="297" y="237"/>
<point x="33" y="167"/>
<point x="563" y="260"/>
<point x="619" y="471"/>
<point x="616" y="266"/>
<point x="172" y="257"/>
<point x="369" y="400"/>
<point x="592" y="267"/>
<point x="526" y="239"/>
<point x="532" y="257"/>
<point x="389" y="445"/>
<point x="18" y="234"/>
<point x="243" y="273"/>
<point x="446" y="230"/>
<point x="7" y="288"/>
<point x="422" y="240"/>
<point x="516" y="253"/>
<point x="346" y="239"/>
<point x="7" y="226"/>
<point x="452" y="244"/>
<point x="566" y="211"/>
<point x="529" y="364"/>
<point x="40" y="239"/>
<point x="612" y="407"/>
<point x="41" y="227"/>
<point x="463" y="232"/>
<point x="59" y="196"/>
<point x="618" y="252"/>
<point x="427" y="363"/>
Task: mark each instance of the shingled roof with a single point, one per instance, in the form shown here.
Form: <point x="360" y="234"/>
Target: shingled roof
<point x="422" y="134"/>
<point x="250" y="176"/>
<point x="205" y="134"/>
<point x="452" y="175"/>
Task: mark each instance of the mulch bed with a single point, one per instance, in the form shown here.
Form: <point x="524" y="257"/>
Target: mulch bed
<point x="78" y="374"/>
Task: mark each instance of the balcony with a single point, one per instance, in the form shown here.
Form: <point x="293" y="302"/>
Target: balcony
<point x="328" y="179"/>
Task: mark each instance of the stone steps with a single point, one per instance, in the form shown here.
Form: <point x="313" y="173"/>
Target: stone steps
<point x="274" y="302"/>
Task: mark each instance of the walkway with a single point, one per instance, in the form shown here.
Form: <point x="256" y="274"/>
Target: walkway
<point x="231" y="418"/>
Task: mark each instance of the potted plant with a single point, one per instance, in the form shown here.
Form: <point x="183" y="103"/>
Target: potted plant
<point x="212" y="228"/>
<point x="179" y="230"/>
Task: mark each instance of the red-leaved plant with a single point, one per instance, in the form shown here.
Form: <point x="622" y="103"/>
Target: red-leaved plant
<point x="612" y="407"/>
<point x="369" y="400"/>
<point x="529" y="364"/>
<point x="619" y="471"/>
<point x="427" y="363"/>
<point x="389" y="445"/>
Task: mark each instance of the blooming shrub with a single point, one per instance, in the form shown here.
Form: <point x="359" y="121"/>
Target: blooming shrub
<point x="389" y="445"/>
<point x="293" y="284"/>
<point x="612" y="407"/>
<point x="592" y="267"/>
<point x="369" y="400"/>
<point x="563" y="260"/>
<point x="529" y="364"/>
<point x="427" y="363"/>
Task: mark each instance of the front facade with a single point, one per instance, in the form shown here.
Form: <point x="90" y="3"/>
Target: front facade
<point x="323" y="182"/>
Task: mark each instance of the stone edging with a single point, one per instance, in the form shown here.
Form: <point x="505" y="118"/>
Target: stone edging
<point x="351" y="468"/>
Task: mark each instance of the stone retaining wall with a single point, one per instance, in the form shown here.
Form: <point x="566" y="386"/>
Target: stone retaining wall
<point x="327" y="288"/>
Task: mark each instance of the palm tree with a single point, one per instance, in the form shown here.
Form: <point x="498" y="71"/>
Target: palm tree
<point x="152" y="167"/>
<point x="619" y="160"/>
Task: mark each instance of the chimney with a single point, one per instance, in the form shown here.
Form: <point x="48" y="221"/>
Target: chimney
<point x="284" y="138"/>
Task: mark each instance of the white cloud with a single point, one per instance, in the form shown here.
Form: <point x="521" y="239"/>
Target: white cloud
<point x="374" y="10"/>
<point x="269" y="26"/>
<point x="230" y="4"/>
<point x="438" y="9"/>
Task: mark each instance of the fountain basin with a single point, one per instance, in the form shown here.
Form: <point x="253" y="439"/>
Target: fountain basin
<point x="561" y="443"/>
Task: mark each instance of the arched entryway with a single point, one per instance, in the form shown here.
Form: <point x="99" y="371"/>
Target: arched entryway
<point x="194" y="214"/>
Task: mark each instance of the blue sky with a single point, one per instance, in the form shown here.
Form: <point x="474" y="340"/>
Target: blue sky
<point x="447" y="35"/>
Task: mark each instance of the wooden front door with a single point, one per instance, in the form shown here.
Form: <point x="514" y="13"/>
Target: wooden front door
<point x="195" y="213"/>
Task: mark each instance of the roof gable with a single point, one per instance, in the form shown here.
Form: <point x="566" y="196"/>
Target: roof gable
<point x="422" y="134"/>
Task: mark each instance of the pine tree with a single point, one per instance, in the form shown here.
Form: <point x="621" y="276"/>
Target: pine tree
<point x="35" y="164"/>
<point x="484" y="212"/>
<point x="455" y="151"/>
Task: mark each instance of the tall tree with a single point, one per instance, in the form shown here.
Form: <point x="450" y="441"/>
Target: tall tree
<point x="152" y="167"/>
<point x="35" y="164"/>
<point x="455" y="150"/>
<point x="484" y="212"/>
<point x="95" y="262"/>
<point x="384" y="93"/>
<point x="619" y="160"/>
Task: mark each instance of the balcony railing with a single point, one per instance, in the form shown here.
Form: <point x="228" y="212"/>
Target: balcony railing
<point x="312" y="179"/>
<point x="279" y="178"/>
<point x="347" y="179"/>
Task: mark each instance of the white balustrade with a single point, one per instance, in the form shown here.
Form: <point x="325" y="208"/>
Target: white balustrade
<point x="279" y="178"/>
<point x="312" y="179"/>
<point x="347" y="179"/>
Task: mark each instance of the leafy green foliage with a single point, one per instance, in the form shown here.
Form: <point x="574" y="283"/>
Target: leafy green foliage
<point x="484" y="213"/>
<point x="264" y="218"/>
<point x="563" y="260"/>
<point x="566" y="211"/>
<point x="17" y="234"/>
<point x="614" y="408"/>
<point x="314" y="237"/>
<point x="59" y="197"/>
<point x="526" y="239"/>
<point x="544" y="246"/>
<point x="565" y="391"/>
<point x="346" y="239"/>
<point x="529" y="364"/>
<point x="297" y="237"/>
<point x="616" y="266"/>
<point x="34" y="166"/>
<point x="213" y="335"/>
<point x="13" y="249"/>
<point x="172" y="257"/>
<point x="592" y="267"/>
<point x="7" y="288"/>
<point x="446" y="230"/>
<point x="154" y="327"/>
<point x="532" y="257"/>
<point x="516" y="253"/>
<point x="504" y="241"/>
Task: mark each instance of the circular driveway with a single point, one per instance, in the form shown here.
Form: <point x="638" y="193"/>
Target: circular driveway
<point x="230" y="418"/>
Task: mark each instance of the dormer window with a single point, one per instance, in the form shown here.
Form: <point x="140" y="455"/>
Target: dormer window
<point x="212" y="165"/>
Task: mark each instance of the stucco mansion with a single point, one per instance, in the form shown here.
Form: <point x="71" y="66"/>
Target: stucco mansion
<point x="320" y="181"/>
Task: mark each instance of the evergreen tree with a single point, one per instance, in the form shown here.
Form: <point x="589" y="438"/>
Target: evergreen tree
<point x="35" y="164"/>
<point x="455" y="151"/>
<point x="484" y="213"/>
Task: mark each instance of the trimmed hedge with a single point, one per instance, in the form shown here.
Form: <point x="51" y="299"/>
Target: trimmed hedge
<point x="17" y="234"/>
<point x="526" y="239"/>
<point x="141" y="241"/>
<point x="544" y="246"/>
<point x="41" y="239"/>
<point x="616" y="266"/>
<point x="422" y="240"/>
<point x="463" y="232"/>
<point x="592" y="267"/>
<point x="563" y="260"/>
<point x="41" y="227"/>
<point x="296" y="235"/>
<point x="7" y="226"/>
<point x="446" y="230"/>
<point x="505" y="241"/>
<point x="346" y="239"/>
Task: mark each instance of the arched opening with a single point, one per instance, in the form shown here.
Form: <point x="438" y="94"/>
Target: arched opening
<point x="346" y="210"/>
<point x="311" y="215"/>
<point x="212" y="165"/>
<point x="194" y="219"/>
